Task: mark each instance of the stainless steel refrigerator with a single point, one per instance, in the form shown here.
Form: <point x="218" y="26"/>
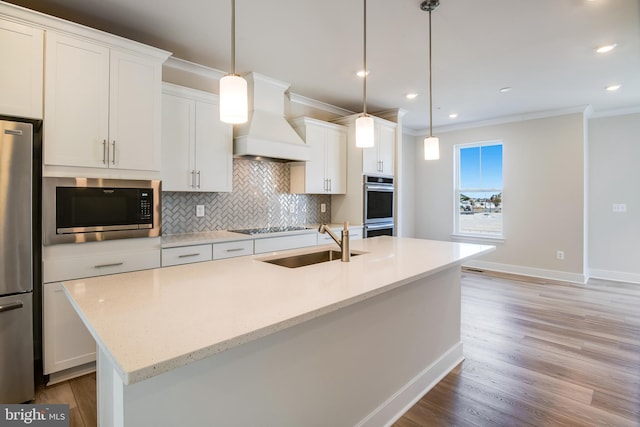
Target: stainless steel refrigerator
<point x="16" y="262"/>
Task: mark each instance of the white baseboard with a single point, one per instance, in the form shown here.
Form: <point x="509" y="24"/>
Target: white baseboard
<point x="616" y="276"/>
<point x="394" y="407"/>
<point x="528" y="271"/>
<point x="67" y="374"/>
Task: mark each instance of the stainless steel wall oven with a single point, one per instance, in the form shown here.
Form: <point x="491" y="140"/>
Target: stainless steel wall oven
<point x="378" y="206"/>
<point x="94" y="209"/>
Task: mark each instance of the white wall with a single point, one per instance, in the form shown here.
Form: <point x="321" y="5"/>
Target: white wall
<point x="543" y="194"/>
<point x="614" y="177"/>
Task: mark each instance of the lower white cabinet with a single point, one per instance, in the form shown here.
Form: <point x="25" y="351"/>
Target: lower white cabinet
<point x="186" y="255"/>
<point x="232" y="249"/>
<point x="67" y="342"/>
<point x="281" y="243"/>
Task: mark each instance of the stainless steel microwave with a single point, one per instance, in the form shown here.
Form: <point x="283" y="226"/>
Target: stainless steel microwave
<point x="92" y="209"/>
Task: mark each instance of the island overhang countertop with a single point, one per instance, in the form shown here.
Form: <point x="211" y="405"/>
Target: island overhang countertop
<point x="153" y="321"/>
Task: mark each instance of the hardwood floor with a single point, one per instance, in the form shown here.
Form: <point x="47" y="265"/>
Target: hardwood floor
<point x="79" y="393"/>
<point x="537" y="353"/>
<point x="541" y="353"/>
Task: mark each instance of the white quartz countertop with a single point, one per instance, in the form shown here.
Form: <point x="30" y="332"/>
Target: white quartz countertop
<point x="220" y="236"/>
<point x="153" y="321"/>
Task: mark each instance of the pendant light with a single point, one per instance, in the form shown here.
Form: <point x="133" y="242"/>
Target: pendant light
<point x="233" y="88"/>
<point x="364" y="123"/>
<point x="431" y="143"/>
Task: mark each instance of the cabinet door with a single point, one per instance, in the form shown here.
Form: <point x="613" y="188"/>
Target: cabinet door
<point x="385" y="139"/>
<point x="76" y="102"/>
<point x="370" y="159"/>
<point x="315" y="168"/>
<point x="21" y="76"/>
<point x="135" y="110"/>
<point x="336" y="161"/>
<point x="213" y="149"/>
<point x="67" y="342"/>
<point x="178" y="143"/>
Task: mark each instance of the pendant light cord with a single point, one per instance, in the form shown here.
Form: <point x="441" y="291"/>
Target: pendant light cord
<point x="430" y="84"/>
<point x="364" y="79"/>
<point x="233" y="37"/>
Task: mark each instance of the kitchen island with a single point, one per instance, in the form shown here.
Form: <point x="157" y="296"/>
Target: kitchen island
<point x="246" y="342"/>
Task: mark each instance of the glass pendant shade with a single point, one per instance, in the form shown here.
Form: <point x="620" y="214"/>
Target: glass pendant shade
<point x="431" y="148"/>
<point x="233" y="99"/>
<point x="364" y="132"/>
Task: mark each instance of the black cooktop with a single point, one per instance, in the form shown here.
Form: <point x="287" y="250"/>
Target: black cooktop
<point x="269" y="230"/>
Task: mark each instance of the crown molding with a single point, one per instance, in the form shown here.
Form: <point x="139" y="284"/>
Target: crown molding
<point x="303" y="100"/>
<point x="193" y="68"/>
<point x="616" y="112"/>
<point x="506" y="119"/>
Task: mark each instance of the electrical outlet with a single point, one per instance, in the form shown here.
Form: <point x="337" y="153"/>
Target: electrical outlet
<point x="619" y="207"/>
<point x="292" y="209"/>
<point x="199" y="211"/>
<point x="323" y="207"/>
<point x="560" y="255"/>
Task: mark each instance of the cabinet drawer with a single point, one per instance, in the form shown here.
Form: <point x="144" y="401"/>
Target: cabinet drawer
<point x="77" y="267"/>
<point x="271" y="244"/>
<point x="186" y="255"/>
<point x="355" y="233"/>
<point x="232" y="249"/>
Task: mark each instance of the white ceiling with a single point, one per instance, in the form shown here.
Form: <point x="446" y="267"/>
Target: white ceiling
<point x="543" y="49"/>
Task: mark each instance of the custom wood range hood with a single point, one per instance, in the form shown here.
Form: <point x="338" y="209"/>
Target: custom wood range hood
<point x="267" y="135"/>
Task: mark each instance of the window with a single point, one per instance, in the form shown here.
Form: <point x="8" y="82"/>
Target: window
<point x="479" y="189"/>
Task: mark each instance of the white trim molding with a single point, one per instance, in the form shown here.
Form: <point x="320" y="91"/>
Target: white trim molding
<point x="616" y="276"/>
<point x="193" y="68"/>
<point x="303" y="100"/>
<point x="542" y="273"/>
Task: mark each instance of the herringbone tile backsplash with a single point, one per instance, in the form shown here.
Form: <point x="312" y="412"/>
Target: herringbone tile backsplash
<point x="260" y="198"/>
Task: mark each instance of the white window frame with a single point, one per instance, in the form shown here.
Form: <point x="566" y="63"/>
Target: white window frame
<point x="457" y="233"/>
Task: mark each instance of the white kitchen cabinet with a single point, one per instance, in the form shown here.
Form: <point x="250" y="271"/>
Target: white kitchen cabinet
<point x="21" y="76"/>
<point x="379" y="159"/>
<point x="326" y="171"/>
<point x="197" y="148"/>
<point x="186" y="255"/>
<point x="67" y="342"/>
<point x="232" y="249"/>
<point x="282" y="243"/>
<point x="102" y="105"/>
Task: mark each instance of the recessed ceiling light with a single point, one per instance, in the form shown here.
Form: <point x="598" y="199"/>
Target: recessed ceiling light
<point x="453" y="115"/>
<point x="613" y="88"/>
<point x="411" y="95"/>
<point x="505" y="89"/>
<point x="606" y="48"/>
<point x="361" y="73"/>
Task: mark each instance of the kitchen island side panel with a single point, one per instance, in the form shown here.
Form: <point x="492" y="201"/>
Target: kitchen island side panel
<point x="348" y="367"/>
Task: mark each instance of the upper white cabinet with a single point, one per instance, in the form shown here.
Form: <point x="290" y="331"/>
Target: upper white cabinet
<point x="379" y="159"/>
<point x="326" y="171"/>
<point x="102" y="105"/>
<point x="197" y="148"/>
<point x="21" y="70"/>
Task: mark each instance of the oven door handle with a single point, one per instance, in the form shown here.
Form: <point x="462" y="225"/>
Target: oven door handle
<point x="379" y="188"/>
<point x="378" y="226"/>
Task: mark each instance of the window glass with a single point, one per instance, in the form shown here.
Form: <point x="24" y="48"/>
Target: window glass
<point x="479" y="189"/>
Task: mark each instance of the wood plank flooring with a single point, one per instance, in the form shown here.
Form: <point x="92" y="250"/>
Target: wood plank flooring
<point x="541" y="353"/>
<point x="537" y="353"/>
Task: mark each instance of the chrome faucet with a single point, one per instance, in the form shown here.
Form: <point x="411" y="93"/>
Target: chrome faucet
<point x="343" y="243"/>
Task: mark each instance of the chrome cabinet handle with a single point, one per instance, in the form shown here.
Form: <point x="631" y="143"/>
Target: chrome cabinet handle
<point x="115" y="264"/>
<point x="188" y="255"/>
<point x="198" y="174"/>
<point x="234" y="250"/>
<point x="113" y="160"/>
<point x="330" y="185"/>
<point x="104" y="151"/>
<point x="12" y="306"/>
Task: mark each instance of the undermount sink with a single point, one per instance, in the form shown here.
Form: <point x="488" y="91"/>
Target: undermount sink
<point x="300" y="260"/>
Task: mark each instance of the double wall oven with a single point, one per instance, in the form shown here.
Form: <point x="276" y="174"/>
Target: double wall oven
<point x="378" y="206"/>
